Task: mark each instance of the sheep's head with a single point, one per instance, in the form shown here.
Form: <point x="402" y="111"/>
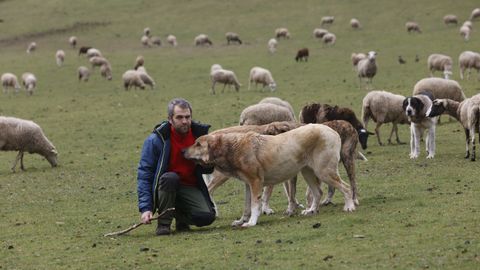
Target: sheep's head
<point x="438" y="107"/>
<point x="363" y="137"/>
<point x="372" y="55"/>
<point x="51" y="157"/>
<point x="272" y="86"/>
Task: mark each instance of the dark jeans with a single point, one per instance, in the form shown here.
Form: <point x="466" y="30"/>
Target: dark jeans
<point x="191" y="206"/>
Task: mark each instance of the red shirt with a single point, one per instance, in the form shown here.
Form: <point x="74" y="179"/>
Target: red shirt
<point x="178" y="164"/>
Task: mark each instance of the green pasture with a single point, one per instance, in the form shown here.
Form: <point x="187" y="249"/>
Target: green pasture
<point x="413" y="214"/>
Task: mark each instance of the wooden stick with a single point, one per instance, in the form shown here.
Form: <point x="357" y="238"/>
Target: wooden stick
<point x="133" y="227"/>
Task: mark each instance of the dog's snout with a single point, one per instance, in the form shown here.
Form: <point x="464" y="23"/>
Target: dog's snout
<point x="409" y="112"/>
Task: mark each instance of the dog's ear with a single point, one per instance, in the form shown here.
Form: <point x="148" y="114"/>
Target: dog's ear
<point x="405" y="103"/>
<point x="212" y="147"/>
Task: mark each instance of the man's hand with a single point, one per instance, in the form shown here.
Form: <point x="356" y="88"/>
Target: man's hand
<point x="146" y="217"/>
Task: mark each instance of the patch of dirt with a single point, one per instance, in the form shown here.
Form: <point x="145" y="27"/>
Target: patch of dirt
<point x="77" y="26"/>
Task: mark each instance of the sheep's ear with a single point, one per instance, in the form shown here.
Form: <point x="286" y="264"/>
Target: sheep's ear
<point x="54" y="151"/>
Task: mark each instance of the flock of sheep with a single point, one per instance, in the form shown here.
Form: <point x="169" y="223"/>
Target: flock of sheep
<point x="374" y="103"/>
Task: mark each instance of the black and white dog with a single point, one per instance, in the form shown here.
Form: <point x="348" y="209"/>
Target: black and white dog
<point x="416" y="109"/>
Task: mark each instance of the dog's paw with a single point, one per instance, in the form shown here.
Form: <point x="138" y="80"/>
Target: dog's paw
<point x="327" y="201"/>
<point x="430" y="156"/>
<point x="413" y="155"/>
<point x="248" y="225"/>
<point x="268" y="211"/>
<point x="309" y="212"/>
<point x="238" y="223"/>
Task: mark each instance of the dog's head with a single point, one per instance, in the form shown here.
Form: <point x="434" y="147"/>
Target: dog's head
<point x="439" y="106"/>
<point x="412" y="106"/>
<point x="201" y="151"/>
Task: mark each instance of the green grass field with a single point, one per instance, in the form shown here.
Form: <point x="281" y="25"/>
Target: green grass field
<point x="413" y="214"/>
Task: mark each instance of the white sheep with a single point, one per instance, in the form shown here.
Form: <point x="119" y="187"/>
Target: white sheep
<point x="146" y="31"/>
<point x="280" y="102"/>
<point x="31" y="47"/>
<point x="466" y="112"/>
<point x="172" y="40"/>
<point x="156" y="41"/>
<point x="98" y="61"/>
<point x="25" y="136"/>
<point x="202" y="40"/>
<point x="272" y="45"/>
<point x="106" y="71"/>
<point x="465" y="32"/>
<point x="450" y="19"/>
<point x="282" y="33"/>
<point x="223" y="76"/>
<point x="264" y="113"/>
<point x="145" y="77"/>
<point x="468" y="24"/>
<point x="475" y="14"/>
<point x="355" y="23"/>
<point x="93" y="52"/>
<point x="329" y="38"/>
<point x="356" y="57"/>
<point x="327" y="20"/>
<point x="132" y="78"/>
<point x="139" y="61"/>
<point x="384" y="107"/>
<point x="439" y="88"/>
<point x="412" y="27"/>
<point x="9" y="80"/>
<point x="319" y="33"/>
<point x="468" y="60"/>
<point x="232" y="37"/>
<point x="60" y="57"/>
<point x="29" y="81"/>
<point x="83" y="73"/>
<point x="440" y="62"/>
<point x="145" y="40"/>
<point x="367" y="68"/>
<point x="72" y="41"/>
<point x="263" y="76"/>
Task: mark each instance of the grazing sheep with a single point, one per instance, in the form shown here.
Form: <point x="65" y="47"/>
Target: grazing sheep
<point x="475" y="14"/>
<point x="145" y="77"/>
<point x="367" y="68"/>
<point x="264" y="113"/>
<point x="440" y="62"/>
<point x="348" y="153"/>
<point x="72" y="41"/>
<point x="263" y="76"/>
<point x="468" y="24"/>
<point x="83" y="50"/>
<point x="139" y="61"/>
<point x="319" y="33"/>
<point x="83" y="73"/>
<point x="272" y="45"/>
<point x="450" y="19"/>
<point x="412" y="27"/>
<point x="202" y="40"/>
<point x="384" y="107"/>
<point x="106" y="71"/>
<point x="302" y="55"/>
<point x="355" y="24"/>
<point x="29" y="82"/>
<point x="145" y="40"/>
<point x="60" y="57"/>
<point x="327" y="20"/>
<point x="156" y="41"/>
<point x="465" y="32"/>
<point x="466" y="112"/>
<point x="172" y="40"/>
<point x="98" y="61"/>
<point x="282" y="33"/>
<point x="469" y="60"/>
<point x="319" y="113"/>
<point x="329" y="39"/>
<point x="220" y="75"/>
<point x="146" y="31"/>
<point x="401" y="61"/>
<point x="31" y="47"/>
<point x="132" y="78"/>
<point x="9" y="80"/>
<point x="356" y="57"/>
<point x="25" y="136"/>
<point x="439" y="88"/>
<point x="92" y="52"/>
<point x="232" y="37"/>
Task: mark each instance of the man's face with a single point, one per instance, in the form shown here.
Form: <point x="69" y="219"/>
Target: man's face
<point x="181" y="120"/>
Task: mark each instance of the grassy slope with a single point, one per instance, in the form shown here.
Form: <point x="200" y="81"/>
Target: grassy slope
<point x="413" y="214"/>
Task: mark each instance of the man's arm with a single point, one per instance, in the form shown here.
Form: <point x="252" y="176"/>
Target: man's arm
<point x="146" y="173"/>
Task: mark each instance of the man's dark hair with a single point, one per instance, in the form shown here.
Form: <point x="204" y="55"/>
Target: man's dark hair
<point x="180" y="102"/>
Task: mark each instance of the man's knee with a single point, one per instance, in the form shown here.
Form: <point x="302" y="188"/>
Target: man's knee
<point x="169" y="182"/>
<point x="201" y="219"/>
